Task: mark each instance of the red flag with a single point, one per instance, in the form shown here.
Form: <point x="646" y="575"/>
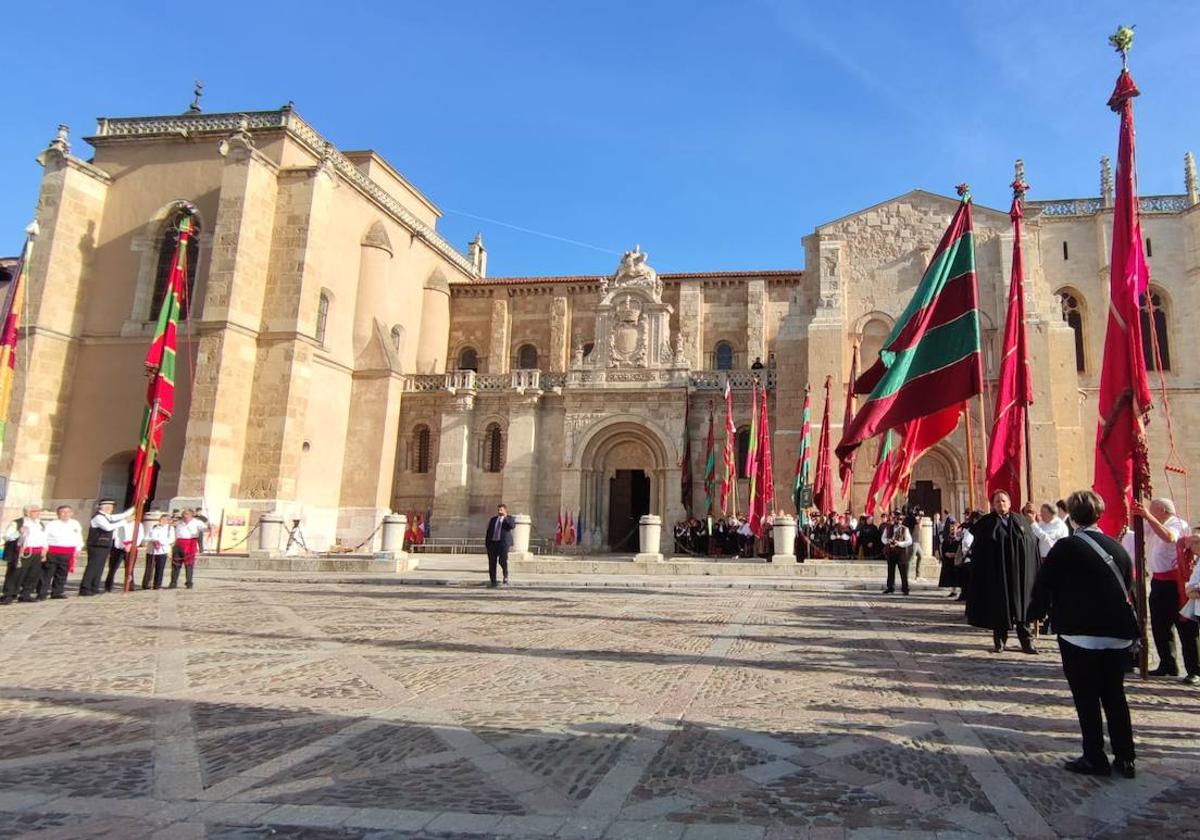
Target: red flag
<point x="883" y="467"/>
<point x="823" y="499"/>
<point x="1122" y="462"/>
<point x="752" y="452"/>
<point x="846" y="468"/>
<point x="762" y="502"/>
<point x="1014" y="392"/>
<point x="916" y="438"/>
<point x="729" y="454"/>
<point x="160" y="363"/>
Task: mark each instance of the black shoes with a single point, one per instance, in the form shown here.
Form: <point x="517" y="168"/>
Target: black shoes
<point x="1084" y="766"/>
<point x="1124" y="766"/>
<point x="1190" y="679"/>
<point x="998" y="647"/>
<point x="1027" y="647"/>
<point x="888" y="592"/>
<point x="1160" y="671"/>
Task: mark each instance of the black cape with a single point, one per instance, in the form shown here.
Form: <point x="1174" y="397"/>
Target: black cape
<point x="1004" y="565"/>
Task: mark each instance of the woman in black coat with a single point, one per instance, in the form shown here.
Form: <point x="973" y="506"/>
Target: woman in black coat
<point x="947" y="550"/>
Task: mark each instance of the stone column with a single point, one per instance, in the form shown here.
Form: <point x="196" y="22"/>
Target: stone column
<point x="70" y="208"/>
<point x="435" y="325"/>
<point x="559" y="351"/>
<point x="452" y="474"/>
<point x="214" y="446"/>
<point x="270" y="532"/>
<point x="691" y="323"/>
<point x="649" y="539"/>
<point x="497" y="360"/>
<point x="520" y="534"/>
<point x="756" y="320"/>
<point x="783" y="529"/>
<point x="520" y="463"/>
<point x="924" y="538"/>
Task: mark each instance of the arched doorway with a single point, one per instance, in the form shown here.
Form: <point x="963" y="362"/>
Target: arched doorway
<point x="116" y="479"/>
<point x="938" y="483"/>
<point x="623" y="475"/>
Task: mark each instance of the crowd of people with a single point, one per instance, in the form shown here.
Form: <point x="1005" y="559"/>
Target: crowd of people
<point x="730" y="536"/>
<point x="39" y="556"/>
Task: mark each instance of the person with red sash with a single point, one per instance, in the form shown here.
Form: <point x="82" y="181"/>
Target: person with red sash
<point x="31" y="548"/>
<point x="188" y="532"/>
<point x="64" y="539"/>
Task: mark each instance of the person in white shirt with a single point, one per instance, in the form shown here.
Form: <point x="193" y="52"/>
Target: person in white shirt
<point x="188" y="532"/>
<point x="31" y="551"/>
<point x="158" y="540"/>
<point x="1162" y="530"/>
<point x="64" y="538"/>
<point x="1048" y="529"/>
<point x="99" y="544"/>
<point x="118" y="555"/>
<point x="14" y="570"/>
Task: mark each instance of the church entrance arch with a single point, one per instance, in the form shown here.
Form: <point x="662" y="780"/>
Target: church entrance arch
<point x="623" y="474"/>
<point x="939" y="481"/>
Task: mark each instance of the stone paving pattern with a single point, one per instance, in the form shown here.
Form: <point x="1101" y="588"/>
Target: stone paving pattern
<point x="325" y="710"/>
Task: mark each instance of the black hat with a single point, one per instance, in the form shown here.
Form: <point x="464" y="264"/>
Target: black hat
<point x="106" y="502"/>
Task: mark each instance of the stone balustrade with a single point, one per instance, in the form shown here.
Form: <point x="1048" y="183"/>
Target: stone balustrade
<point x="525" y="380"/>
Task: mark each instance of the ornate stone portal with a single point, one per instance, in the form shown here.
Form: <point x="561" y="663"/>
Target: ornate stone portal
<point x="633" y="330"/>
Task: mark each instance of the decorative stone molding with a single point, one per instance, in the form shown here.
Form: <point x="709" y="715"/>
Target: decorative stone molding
<point x="377" y="237"/>
<point x="1149" y="204"/>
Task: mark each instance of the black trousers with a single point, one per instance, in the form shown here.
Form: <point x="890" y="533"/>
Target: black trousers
<point x="156" y="564"/>
<point x="94" y="570"/>
<point x="35" y="577"/>
<point x="12" y="571"/>
<point x="55" y="572"/>
<point x="1023" y="633"/>
<point x="1164" y="617"/>
<point x="117" y="558"/>
<point x="1097" y="680"/>
<point x="897" y="560"/>
<point x="189" y="573"/>
<point x="497" y="553"/>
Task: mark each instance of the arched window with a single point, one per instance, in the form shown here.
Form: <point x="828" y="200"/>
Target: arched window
<point x="742" y="447"/>
<point x="468" y="359"/>
<point x="420" y="449"/>
<point x="1155" y="316"/>
<point x="493" y="449"/>
<point x="322" y="317"/>
<point x="527" y="357"/>
<point x="723" y="356"/>
<point x="588" y="347"/>
<point x="1073" y="315"/>
<point x="166" y="254"/>
<point x="874" y="333"/>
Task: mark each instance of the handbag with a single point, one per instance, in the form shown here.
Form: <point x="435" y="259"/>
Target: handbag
<point x="1136" y="648"/>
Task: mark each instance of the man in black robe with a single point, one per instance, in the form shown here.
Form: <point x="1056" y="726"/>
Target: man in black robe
<point x="1004" y="564"/>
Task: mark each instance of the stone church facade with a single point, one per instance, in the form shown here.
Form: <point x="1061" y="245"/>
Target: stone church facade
<point x="341" y="359"/>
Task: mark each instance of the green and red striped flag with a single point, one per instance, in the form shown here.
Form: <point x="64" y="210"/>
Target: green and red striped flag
<point x="160" y="362"/>
<point x="729" y="454"/>
<point x="802" y="483"/>
<point x="883" y="469"/>
<point x="710" y="472"/>
<point x="930" y="362"/>
<point x="13" y="304"/>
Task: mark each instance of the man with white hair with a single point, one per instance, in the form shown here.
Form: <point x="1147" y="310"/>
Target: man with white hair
<point x="14" y="570"/>
<point x="1163" y="529"/>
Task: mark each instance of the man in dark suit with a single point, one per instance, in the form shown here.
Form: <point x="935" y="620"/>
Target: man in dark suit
<point x="1004" y="563"/>
<point x="1084" y="586"/>
<point x="498" y="540"/>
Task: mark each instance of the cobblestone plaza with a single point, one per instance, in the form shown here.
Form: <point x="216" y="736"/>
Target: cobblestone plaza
<point x="328" y="710"/>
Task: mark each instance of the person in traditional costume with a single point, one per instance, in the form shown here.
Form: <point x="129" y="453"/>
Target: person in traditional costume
<point x="947" y="552"/>
<point x="64" y="540"/>
<point x="158" y="540"/>
<point x="1163" y="531"/>
<point x="188" y="532"/>
<point x="31" y="549"/>
<point x="14" y="570"/>
<point x="1004" y="564"/>
<point x="100" y="541"/>
<point x="118" y="556"/>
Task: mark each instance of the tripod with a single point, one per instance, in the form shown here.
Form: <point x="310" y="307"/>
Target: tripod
<point x="295" y="538"/>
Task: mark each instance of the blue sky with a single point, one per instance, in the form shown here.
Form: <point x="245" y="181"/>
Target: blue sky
<point x="716" y="134"/>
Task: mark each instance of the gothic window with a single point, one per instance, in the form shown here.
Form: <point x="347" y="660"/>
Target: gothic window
<point x="468" y="359"/>
<point x="420" y="449"/>
<point x="1154" y="329"/>
<point x="527" y="357"/>
<point x="166" y="254"/>
<point x="1066" y="253"/>
<point x="874" y="334"/>
<point x="1073" y="315"/>
<point x="742" y="446"/>
<point x="322" y="317"/>
<point x="588" y="347"/>
<point x="493" y="449"/>
<point x="723" y="356"/>
<point x="1149" y="250"/>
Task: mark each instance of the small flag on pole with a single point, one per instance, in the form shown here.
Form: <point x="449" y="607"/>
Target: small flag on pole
<point x="13" y="306"/>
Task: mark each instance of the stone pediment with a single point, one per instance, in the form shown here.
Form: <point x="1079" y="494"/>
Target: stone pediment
<point x="921" y="199"/>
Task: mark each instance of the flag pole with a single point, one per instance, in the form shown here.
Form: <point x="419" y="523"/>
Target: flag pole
<point x="141" y="489"/>
<point x="970" y="458"/>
